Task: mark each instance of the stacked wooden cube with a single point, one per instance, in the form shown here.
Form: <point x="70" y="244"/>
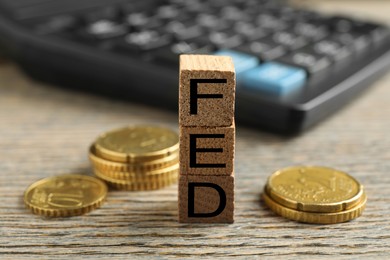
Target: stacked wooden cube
<point x="207" y="139"/>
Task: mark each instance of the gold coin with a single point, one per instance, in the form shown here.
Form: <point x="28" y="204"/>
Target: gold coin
<point x="138" y="183"/>
<point x="105" y="165"/>
<point x="137" y="144"/>
<point x="314" y="189"/>
<point x="65" y="195"/>
<point x="319" y="217"/>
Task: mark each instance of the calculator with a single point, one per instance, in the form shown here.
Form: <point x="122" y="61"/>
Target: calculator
<point x="294" y="66"/>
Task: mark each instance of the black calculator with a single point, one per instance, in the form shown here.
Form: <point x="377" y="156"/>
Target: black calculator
<point x="294" y="66"/>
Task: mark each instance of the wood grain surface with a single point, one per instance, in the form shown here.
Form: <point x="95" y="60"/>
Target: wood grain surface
<point x="45" y="131"/>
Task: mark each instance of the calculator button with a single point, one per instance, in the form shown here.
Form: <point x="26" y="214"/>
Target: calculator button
<point x="264" y="49"/>
<point x="274" y="78"/>
<point x="137" y="19"/>
<point x="104" y="29"/>
<point x="311" y="31"/>
<point x="289" y="40"/>
<point x="225" y="39"/>
<point x="309" y="60"/>
<point x="334" y="50"/>
<point x="249" y="31"/>
<point x="195" y="7"/>
<point x="142" y="41"/>
<point x="242" y="62"/>
<point x="183" y="30"/>
<point x="167" y="12"/>
<point x="341" y="24"/>
<point x="232" y="13"/>
<point x="212" y="22"/>
<point x="267" y="21"/>
<point x="142" y="21"/>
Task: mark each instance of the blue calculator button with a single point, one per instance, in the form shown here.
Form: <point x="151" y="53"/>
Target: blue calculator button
<point x="274" y="78"/>
<point x="242" y="62"/>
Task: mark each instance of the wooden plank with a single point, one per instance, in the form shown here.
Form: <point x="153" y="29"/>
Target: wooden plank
<point x="45" y="131"/>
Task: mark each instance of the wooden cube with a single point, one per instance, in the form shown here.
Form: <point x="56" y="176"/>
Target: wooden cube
<point x="206" y="91"/>
<point x="207" y="150"/>
<point x="206" y="199"/>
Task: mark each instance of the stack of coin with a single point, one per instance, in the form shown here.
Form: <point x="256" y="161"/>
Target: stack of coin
<point x="137" y="157"/>
<point x="314" y="194"/>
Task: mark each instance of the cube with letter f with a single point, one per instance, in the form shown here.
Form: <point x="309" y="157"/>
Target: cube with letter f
<point x="207" y="91"/>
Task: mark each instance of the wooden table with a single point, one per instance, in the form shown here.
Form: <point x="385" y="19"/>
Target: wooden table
<point x="46" y="131"/>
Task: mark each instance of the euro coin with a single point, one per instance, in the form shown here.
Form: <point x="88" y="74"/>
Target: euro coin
<point x="314" y="189"/>
<point x="106" y="165"/>
<point x="316" y="217"/>
<point x="314" y="194"/>
<point x="137" y="144"/>
<point x="65" y="195"/>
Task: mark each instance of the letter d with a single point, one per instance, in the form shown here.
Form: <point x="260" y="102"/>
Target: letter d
<point x="191" y="200"/>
